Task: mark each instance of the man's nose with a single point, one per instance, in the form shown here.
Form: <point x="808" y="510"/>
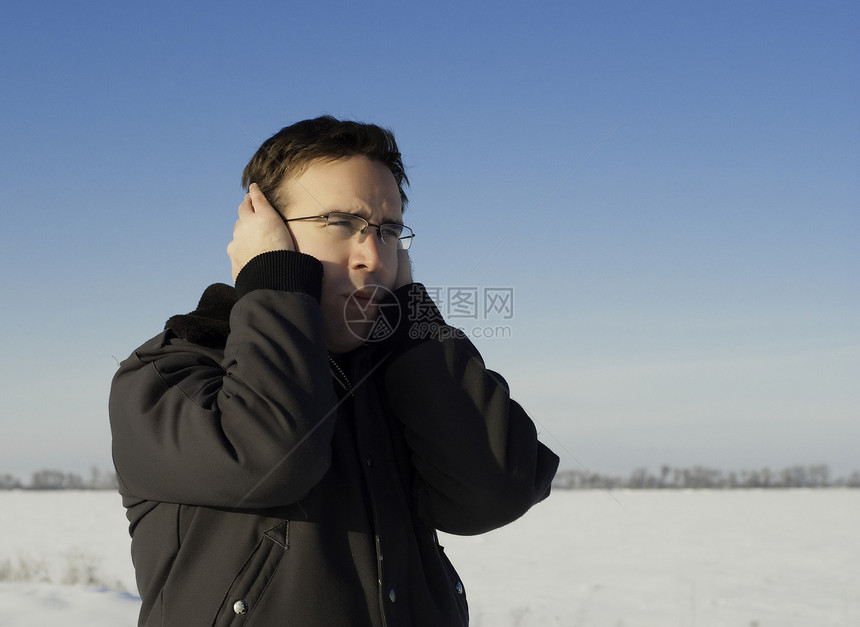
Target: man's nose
<point x="368" y="251"/>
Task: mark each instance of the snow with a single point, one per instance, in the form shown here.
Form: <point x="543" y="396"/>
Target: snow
<point x="41" y="605"/>
<point x="590" y="558"/>
<point x="686" y="558"/>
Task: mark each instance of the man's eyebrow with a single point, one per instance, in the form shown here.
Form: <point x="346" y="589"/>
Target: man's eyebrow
<point x="362" y="213"/>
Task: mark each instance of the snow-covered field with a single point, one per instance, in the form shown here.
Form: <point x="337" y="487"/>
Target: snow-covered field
<point x="635" y="558"/>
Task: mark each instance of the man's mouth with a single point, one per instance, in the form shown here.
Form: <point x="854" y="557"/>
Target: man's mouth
<point x="371" y="312"/>
<point x="366" y="300"/>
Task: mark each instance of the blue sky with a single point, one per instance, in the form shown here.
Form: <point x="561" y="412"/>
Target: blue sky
<point x="670" y="189"/>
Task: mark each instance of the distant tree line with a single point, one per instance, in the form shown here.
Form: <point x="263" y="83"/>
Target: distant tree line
<point x="59" y="480"/>
<point x="668" y="478"/>
<point x="702" y="478"/>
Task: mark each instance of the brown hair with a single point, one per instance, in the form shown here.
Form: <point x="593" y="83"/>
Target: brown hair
<point x="289" y="151"/>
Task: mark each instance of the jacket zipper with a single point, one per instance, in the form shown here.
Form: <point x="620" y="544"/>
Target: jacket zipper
<point x="382" y="605"/>
<point x="340" y="376"/>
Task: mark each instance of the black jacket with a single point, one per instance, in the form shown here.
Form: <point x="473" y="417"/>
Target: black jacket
<point x="260" y="492"/>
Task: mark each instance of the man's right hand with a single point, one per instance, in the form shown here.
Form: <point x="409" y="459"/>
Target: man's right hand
<point x="259" y="229"/>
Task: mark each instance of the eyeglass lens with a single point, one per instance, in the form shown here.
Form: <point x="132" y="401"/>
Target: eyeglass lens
<point x="346" y="225"/>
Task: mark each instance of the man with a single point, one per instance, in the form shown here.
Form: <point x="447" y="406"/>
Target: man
<point x="287" y="451"/>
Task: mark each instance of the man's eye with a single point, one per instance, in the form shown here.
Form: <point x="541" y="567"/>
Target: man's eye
<point x="343" y="225"/>
<point x="391" y="230"/>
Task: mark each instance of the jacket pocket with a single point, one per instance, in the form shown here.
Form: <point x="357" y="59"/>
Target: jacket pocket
<point x="250" y="584"/>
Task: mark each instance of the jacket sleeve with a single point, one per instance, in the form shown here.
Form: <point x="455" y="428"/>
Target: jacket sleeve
<point x="478" y="462"/>
<point x="249" y="427"/>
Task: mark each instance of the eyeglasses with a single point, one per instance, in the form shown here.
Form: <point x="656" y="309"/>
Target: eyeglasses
<point x="348" y="225"/>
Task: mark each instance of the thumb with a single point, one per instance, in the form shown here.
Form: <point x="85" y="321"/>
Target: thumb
<point x="259" y="201"/>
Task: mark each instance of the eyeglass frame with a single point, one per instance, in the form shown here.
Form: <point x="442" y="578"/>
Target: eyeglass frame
<point x="400" y="240"/>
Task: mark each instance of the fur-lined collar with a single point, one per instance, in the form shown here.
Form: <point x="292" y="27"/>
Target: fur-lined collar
<point x="209" y="324"/>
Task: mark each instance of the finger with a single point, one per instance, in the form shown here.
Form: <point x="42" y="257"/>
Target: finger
<point x="263" y="207"/>
<point x="259" y="200"/>
<point x="247" y="207"/>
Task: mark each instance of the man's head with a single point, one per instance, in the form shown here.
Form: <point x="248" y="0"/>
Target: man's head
<point x="320" y="166"/>
<point x="287" y="153"/>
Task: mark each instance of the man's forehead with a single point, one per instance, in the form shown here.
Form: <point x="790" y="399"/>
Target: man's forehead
<point x="353" y="184"/>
